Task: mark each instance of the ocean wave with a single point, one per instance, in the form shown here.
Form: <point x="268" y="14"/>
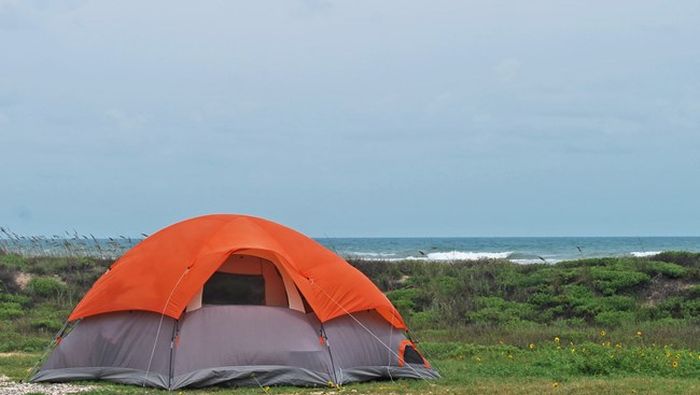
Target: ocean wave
<point x="527" y="261"/>
<point x="461" y="256"/>
<point x="370" y="254"/>
<point x="642" y="254"/>
<point x="530" y="261"/>
<point x="446" y="256"/>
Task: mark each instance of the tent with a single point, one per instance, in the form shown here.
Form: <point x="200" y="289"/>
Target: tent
<point x="233" y="300"/>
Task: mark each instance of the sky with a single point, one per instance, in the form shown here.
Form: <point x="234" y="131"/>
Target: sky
<point x="352" y="118"/>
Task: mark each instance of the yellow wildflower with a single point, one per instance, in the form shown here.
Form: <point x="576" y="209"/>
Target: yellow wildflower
<point x="674" y="364"/>
<point x="556" y="339"/>
<point x="555" y="384"/>
<point x="618" y="345"/>
<point x="532" y="346"/>
<point x="602" y="333"/>
<point x="639" y="333"/>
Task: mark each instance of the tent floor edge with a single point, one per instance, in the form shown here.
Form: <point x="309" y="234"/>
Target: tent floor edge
<point x="113" y="374"/>
<point x="251" y="376"/>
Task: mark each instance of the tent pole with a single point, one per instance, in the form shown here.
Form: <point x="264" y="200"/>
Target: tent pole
<point x="173" y="344"/>
<point x="330" y="354"/>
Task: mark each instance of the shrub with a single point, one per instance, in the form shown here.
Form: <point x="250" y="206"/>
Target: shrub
<point x="45" y="287"/>
<point x="693" y="291"/>
<point x="670" y="270"/>
<point x="424" y="319"/>
<point x="687" y="259"/>
<point x="614" y="318"/>
<point x="7" y="280"/>
<point x="46" y="324"/>
<point x="545" y="298"/>
<point x="576" y="322"/>
<point x="542" y="276"/>
<point x="12" y="261"/>
<point x="15" y="298"/>
<point x="612" y="280"/>
<point x="495" y="310"/>
<point x="408" y="300"/>
<point x="617" y="303"/>
<point x="588" y="262"/>
<point x="10" y="310"/>
<point x="447" y="285"/>
<point x="577" y="291"/>
<point x="678" y="307"/>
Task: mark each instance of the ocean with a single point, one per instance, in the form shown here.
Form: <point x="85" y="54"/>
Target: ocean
<point x="517" y="249"/>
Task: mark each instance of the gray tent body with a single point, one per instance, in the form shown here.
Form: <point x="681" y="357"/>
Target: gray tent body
<point x="234" y="345"/>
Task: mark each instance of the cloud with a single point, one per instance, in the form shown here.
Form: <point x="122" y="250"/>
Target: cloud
<point x="124" y="120"/>
<point x="24" y="213"/>
<point x="13" y="15"/>
<point x="312" y="109"/>
<point x="317" y="5"/>
<point x="507" y="70"/>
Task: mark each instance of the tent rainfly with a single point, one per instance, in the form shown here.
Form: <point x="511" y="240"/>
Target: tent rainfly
<point x="233" y="300"/>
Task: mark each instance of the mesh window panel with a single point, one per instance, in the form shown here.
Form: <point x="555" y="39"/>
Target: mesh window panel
<point x="410" y="355"/>
<point x="234" y="289"/>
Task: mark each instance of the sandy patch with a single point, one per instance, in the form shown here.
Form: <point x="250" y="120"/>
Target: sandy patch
<point x="22" y="280"/>
<point x="9" y="387"/>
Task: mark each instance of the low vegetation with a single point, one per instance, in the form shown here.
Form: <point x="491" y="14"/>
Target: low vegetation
<point x="606" y="325"/>
<point x="484" y="300"/>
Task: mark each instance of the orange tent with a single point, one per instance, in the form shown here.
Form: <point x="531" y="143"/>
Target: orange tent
<point x="233" y="300"/>
<point x="165" y="271"/>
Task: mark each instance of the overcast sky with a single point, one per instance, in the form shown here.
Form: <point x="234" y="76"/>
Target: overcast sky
<point x="354" y="118"/>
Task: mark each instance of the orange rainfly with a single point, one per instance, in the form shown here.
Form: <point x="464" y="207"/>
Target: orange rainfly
<point x="165" y="271"/>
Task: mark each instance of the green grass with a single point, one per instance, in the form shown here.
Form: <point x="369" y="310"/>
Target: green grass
<point x="659" y="294"/>
<point x="601" y="292"/>
<point x="467" y="368"/>
<point x="624" y="325"/>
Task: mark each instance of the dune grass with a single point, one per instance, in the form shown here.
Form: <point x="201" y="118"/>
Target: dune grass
<point x="607" y="326"/>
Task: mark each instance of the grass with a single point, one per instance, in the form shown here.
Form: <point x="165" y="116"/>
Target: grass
<point x="660" y="291"/>
<point x="608" y="325"/>
<point x="475" y="369"/>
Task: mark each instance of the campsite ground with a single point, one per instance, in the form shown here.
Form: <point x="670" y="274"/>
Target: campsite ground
<point x="460" y="376"/>
<point x="603" y="326"/>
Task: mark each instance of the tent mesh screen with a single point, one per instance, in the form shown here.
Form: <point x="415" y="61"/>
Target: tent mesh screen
<point x="234" y="289"/>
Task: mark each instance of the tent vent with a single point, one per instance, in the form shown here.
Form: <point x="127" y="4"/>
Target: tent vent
<point x="234" y="289"/>
<point x="410" y="355"/>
